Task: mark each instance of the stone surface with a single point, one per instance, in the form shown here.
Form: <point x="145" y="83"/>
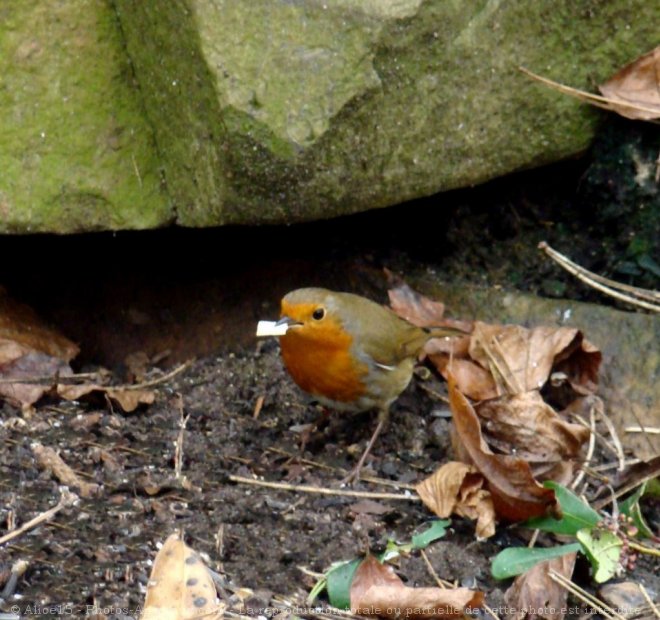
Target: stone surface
<point x="280" y="111"/>
<point x="274" y="111"/>
<point x="76" y="152"/>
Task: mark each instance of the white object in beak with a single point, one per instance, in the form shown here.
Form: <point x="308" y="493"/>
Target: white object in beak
<point x="271" y="328"/>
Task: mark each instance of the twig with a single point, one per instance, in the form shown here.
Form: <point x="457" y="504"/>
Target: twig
<point x="609" y="287"/>
<point x="590" y="449"/>
<point x="52" y="378"/>
<point x="613" y="105"/>
<point x="645" y="594"/>
<point x="163" y="379"/>
<point x="258" y="406"/>
<point x="322" y="491"/>
<point x="584" y="596"/>
<point x="339" y="470"/>
<point x="603" y="439"/>
<point x="532" y="540"/>
<point x="67" y="499"/>
<point x="441" y="582"/>
<point x="178" y="450"/>
<point x="614" y="435"/>
<point x="48" y="459"/>
<point x="434" y="394"/>
<point x="651" y="430"/>
<point x="608" y="466"/>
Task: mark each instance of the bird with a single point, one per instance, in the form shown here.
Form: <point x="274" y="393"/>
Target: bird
<point x="350" y="353"/>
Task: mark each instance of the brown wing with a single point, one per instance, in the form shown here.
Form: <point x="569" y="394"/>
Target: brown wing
<point x="383" y="336"/>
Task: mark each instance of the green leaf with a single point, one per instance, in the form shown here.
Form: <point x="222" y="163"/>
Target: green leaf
<point x="630" y="507"/>
<point x="339" y="582"/>
<point x="603" y="548"/>
<point x="576" y="514"/>
<point x="393" y="550"/>
<point x="437" y="530"/>
<point x="517" y="560"/>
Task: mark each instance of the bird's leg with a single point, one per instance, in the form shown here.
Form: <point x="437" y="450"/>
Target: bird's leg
<point x="354" y="475"/>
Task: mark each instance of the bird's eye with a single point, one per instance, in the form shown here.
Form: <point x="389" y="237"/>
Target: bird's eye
<point x="318" y="314"/>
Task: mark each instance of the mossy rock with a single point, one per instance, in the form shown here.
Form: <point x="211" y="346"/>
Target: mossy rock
<point x="77" y="153"/>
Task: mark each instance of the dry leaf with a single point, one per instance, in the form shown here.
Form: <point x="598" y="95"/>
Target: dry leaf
<point x="128" y="399"/>
<point x="29" y="349"/>
<point x="634" y="91"/>
<point x="534" y="595"/>
<point x="180" y="586"/>
<point x="415" y="308"/>
<point x="457" y="488"/>
<point x="511" y="359"/>
<point x="27" y="366"/>
<point x="516" y="494"/>
<point x="418" y="309"/>
<point x="473" y="380"/>
<point x="21" y="325"/>
<point x="49" y="459"/>
<point x="626" y="597"/>
<point x="377" y="591"/>
<point x="526" y="425"/>
<point x="521" y="359"/>
<point x="638" y="89"/>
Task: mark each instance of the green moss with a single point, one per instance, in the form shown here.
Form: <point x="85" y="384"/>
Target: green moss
<point x="333" y="110"/>
<point x="72" y="127"/>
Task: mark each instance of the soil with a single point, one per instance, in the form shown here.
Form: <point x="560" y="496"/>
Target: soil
<point x="243" y="416"/>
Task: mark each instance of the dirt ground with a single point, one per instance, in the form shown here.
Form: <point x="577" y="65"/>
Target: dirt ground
<point x="100" y="552"/>
<point x="243" y="414"/>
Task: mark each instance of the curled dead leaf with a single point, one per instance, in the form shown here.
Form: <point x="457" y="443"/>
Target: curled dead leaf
<point x="457" y="488"/>
<point x="19" y="324"/>
<point x="180" y="586"/>
<point x="526" y="425"/>
<point x="473" y="380"/>
<point x="634" y="91"/>
<point x="522" y="359"/>
<point x="377" y="590"/>
<point x="516" y="494"/>
<point x="29" y="350"/>
<point x="128" y="399"/>
<point x="417" y="308"/>
<point x="535" y="595"/>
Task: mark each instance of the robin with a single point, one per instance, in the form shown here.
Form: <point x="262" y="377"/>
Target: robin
<point x="350" y="353"/>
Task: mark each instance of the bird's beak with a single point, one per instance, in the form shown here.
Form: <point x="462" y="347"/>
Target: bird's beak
<point x="288" y="321"/>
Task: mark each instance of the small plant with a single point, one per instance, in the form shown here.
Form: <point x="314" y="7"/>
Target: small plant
<point x="607" y="541"/>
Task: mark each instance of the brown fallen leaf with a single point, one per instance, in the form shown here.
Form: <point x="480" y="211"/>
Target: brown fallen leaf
<point x="535" y="595"/>
<point x="526" y="425"/>
<point x="29" y="349"/>
<point x="473" y="380"/>
<point x="18" y="386"/>
<point x="128" y="399"/>
<point x="378" y="591"/>
<point x="522" y="359"/>
<point x="628" y="108"/>
<point x="418" y="309"/>
<point x="21" y="325"/>
<point x="634" y="91"/>
<point x="626" y="597"/>
<point x="180" y="586"/>
<point x="517" y="496"/>
<point x="48" y="459"/>
<point x="457" y="488"/>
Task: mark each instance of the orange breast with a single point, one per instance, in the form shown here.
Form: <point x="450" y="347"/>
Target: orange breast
<point x="320" y="362"/>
